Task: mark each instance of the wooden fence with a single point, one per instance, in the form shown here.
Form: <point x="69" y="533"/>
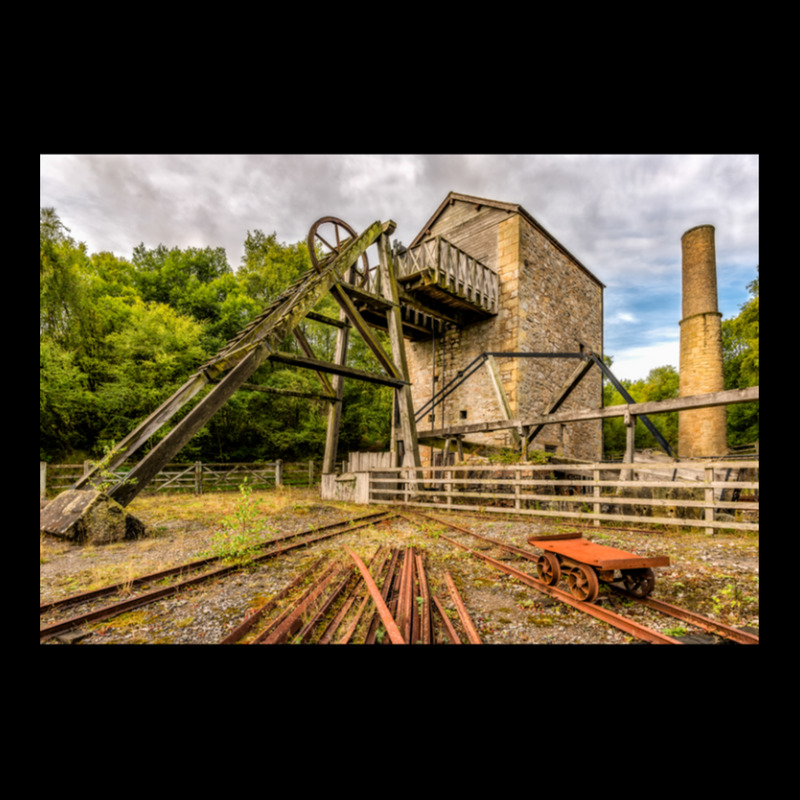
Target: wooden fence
<point x="197" y="477"/>
<point x="711" y="495"/>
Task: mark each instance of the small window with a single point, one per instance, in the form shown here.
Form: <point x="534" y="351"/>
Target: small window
<point x="550" y="448"/>
<point x="463" y="414"/>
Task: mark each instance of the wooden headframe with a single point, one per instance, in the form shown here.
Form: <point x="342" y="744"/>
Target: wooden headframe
<point x="232" y="367"/>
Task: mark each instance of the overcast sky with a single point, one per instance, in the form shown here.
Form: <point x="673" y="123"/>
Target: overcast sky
<point x="622" y="216"/>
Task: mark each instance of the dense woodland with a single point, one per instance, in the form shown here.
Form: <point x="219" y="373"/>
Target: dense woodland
<point x="117" y="336"/>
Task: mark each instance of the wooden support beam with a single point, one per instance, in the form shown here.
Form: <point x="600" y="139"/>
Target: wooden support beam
<point x="142" y="432"/>
<point x="502" y="397"/>
<point x="572" y="381"/>
<point x="630" y="445"/>
<point x="452" y="316"/>
<point x="361" y="325"/>
<point x="308" y="350"/>
<point x="726" y="398"/>
<point x="180" y="435"/>
<point x="334" y="369"/>
<point x="251" y="351"/>
<point x="335" y="412"/>
<point x="337" y="323"/>
<point x="394" y="321"/>
<point x="257" y="387"/>
<point x="369" y="299"/>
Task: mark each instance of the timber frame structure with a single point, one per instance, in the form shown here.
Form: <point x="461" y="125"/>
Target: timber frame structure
<point x="526" y="432"/>
<point x="339" y="272"/>
<point x="413" y="294"/>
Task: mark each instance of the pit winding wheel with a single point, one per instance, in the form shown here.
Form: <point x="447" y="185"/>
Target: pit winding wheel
<point x="326" y="239"/>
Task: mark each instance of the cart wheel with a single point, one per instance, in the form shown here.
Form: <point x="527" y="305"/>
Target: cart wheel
<point x="639" y="582"/>
<point x="548" y="569"/>
<point x="583" y="583"/>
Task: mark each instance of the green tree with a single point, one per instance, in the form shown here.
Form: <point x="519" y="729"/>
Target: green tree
<point x="662" y="383"/>
<point x="269" y="266"/>
<point x="61" y="285"/>
<point x="197" y="283"/>
<point x="146" y="359"/>
<point x="118" y="336"/>
<point x="740" y="349"/>
<point x="64" y="402"/>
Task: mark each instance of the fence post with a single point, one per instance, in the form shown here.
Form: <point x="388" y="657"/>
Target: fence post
<point x="42" y="479"/>
<point x="449" y="476"/>
<point x="198" y="477"/>
<point x="279" y="474"/>
<point x="310" y="473"/>
<point x="630" y="446"/>
<point x="709" y="495"/>
<point x="596" y="493"/>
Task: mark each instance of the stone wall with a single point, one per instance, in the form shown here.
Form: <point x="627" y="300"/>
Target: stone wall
<point x="560" y="310"/>
<point x="547" y="303"/>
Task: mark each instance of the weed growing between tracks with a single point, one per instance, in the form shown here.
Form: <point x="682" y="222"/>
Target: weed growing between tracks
<point x="242" y="531"/>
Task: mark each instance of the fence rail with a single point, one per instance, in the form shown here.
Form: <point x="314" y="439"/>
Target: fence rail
<point x="710" y="496"/>
<point x="197" y="477"/>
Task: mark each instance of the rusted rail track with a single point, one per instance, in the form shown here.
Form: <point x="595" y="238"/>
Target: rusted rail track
<point x="618" y="621"/>
<point x="269" y="549"/>
<point x="388" y="599"/>
<point x="394" y="594"/>
<point x="193" y="566"/>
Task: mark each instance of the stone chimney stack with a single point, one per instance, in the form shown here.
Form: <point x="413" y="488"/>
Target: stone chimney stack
<point x="701" y="432"/>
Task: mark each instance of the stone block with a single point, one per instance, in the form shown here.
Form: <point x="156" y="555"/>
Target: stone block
<point x="86" y="516"/>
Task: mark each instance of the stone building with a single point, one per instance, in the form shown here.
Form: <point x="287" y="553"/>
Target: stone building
<point x="547" y="302"/>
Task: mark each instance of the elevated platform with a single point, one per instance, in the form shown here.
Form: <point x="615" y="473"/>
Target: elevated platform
<point x="440" y="275"/>
<point x="438" y="284"/>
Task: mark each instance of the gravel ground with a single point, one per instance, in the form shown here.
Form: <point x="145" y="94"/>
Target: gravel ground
<point x="714" y="575"/>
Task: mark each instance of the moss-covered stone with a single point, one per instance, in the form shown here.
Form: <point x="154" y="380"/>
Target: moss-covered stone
<point x="86" y="516"/>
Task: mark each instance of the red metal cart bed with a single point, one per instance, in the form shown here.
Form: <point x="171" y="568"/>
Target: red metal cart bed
<point x="584" y="564"/>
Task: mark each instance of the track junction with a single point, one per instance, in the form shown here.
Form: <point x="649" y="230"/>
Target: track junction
<point x="388" y="594"/>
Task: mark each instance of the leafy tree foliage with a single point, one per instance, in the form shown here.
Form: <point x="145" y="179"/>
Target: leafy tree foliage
<point x="117" y="337"/>
<point x="740" y="360"/>
<point x="662" y="383"/>
<point x="198" y="283"/>
<point x="146" y="359"/>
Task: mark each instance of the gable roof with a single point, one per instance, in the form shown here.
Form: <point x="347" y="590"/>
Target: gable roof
<point x="513" y="208"/>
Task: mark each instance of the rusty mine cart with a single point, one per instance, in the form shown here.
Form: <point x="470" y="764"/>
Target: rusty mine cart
<point x="584" y="564"/>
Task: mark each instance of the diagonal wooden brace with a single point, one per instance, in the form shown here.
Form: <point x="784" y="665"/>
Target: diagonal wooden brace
<point x="263" y="340"/>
